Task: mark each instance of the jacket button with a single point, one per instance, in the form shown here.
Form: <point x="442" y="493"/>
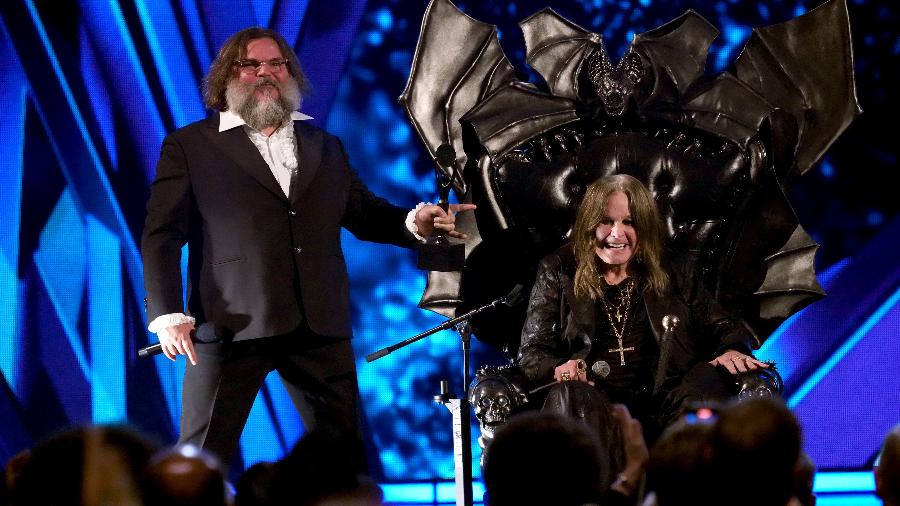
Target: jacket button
<point x="298" y="249"/>
<point x="292" y="212"/>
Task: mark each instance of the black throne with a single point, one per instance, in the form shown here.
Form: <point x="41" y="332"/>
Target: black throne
<point x="718" y="153"/>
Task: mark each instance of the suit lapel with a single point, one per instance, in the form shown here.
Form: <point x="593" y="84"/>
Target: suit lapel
<point x="241" y="150"/>
<point x="309" y="151"/>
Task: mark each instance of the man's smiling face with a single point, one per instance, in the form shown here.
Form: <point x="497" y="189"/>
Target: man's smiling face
<point x="616" y="235"/>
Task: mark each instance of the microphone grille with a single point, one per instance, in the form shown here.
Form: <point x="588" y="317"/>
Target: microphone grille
<point x="445" y="155"/>
<point x="600" y="369"/>
<point x="670" y="322"/>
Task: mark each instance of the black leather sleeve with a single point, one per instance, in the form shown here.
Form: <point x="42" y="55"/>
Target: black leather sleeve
<point x="542" y="341"/>
<point x="724" y="331"/>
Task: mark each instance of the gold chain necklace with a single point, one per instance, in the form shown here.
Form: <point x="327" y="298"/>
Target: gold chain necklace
<point x="624" y="304"/>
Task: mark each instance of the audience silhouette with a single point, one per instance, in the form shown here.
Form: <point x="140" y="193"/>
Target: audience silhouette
<point x="706" y="458"/>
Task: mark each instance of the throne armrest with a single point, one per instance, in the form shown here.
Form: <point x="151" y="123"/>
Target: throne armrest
<point x="760" y="384"/>
<point x="498" y="392"/>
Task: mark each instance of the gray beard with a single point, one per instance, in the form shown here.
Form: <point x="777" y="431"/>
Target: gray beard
<point x="263" y="113"/>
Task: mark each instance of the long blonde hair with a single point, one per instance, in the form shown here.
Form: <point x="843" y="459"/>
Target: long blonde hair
<point x="646" y="263"/>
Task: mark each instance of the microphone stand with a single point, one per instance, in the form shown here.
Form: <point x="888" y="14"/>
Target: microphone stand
<point x="444" y="326"/>
<point x="460" y="410"/>
<point x="459" y="406"/>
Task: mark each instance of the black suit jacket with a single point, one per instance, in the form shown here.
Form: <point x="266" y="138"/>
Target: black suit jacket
<point x="259" y="262"/>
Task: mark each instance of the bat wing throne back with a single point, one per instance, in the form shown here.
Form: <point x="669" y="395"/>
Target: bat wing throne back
<point x="718" y="153"/>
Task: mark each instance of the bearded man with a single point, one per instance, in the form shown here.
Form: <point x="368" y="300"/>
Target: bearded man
<point x="260" y="197"/>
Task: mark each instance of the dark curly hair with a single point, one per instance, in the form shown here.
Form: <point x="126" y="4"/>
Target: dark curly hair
<point x="221" y="72"/>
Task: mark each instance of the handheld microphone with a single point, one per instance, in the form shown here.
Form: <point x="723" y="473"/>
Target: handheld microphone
<point x="437" y="253"/>
<point x="206" y="333"/>
<point x="445" y="156"/>
<point x="515" y="296"/>
<point x="670" y="323"/>
<point x="600" y="369"/>
<point x="150" y="351"/>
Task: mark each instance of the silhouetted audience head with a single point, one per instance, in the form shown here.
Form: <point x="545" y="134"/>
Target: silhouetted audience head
<point x="679" y="468"/>
<point x="544" y="458"/>
<point x="11" y="473"/>
<point x="325" y="468"/>
<point x="887" y="470"/>
<point x="755" y="441"/>
<point x="84" y="466"/>
<point x="253" y="488"/>
<point x="804" y="476"/>
<point x="182" y="476"/>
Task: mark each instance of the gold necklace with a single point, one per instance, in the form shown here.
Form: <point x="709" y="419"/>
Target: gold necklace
<point x="624" y="303"/>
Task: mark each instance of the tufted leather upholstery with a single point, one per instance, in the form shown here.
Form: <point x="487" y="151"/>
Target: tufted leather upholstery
<point x="701" y="184"/>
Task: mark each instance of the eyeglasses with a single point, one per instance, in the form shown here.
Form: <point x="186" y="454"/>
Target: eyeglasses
<point x="252" y="66"/>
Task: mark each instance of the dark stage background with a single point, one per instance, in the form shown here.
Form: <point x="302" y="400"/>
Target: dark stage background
<point x="88" y="90"/>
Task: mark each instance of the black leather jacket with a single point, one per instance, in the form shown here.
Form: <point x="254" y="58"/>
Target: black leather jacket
<point x="560" y="327"/>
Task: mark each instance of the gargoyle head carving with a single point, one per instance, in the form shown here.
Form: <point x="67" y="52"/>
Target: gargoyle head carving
<point x="615" y="85"/>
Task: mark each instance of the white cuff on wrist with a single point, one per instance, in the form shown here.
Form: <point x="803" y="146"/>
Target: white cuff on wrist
<point x="411" y="220"/>
<point x="168" y="320"/>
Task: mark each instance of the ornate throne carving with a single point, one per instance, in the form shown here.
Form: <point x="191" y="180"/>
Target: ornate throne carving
<point x="717" y="152"/>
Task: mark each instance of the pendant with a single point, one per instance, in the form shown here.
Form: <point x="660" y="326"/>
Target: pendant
<point x="618" y="315"/>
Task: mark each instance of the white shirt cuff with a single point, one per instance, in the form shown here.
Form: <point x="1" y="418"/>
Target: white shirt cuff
<point x="411" y="221"/>
<point x="168" y="320"/>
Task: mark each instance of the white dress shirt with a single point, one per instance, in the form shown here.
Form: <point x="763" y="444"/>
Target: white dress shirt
<point x="279" y="150"/>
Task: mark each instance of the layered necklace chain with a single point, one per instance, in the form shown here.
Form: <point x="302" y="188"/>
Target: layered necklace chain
<point x="620" y="317"/>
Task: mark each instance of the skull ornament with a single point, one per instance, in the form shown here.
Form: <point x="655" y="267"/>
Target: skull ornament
<point x="760" y="384"/>
<point x="495" y="395"/>
<point x="493" y="401"/>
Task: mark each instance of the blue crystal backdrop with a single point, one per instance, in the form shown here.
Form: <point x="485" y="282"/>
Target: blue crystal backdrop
<point x="90" y="88"/>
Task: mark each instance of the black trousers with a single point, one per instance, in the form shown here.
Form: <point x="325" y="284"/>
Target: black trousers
<point x="592" y="406"/>
<point x="319" y="374"/>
